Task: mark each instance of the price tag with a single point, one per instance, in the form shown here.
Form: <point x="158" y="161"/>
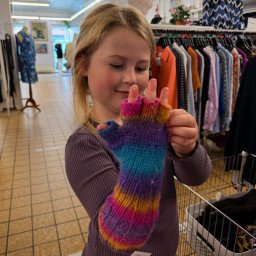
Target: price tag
<point x="158" y="61"/>
<point x="141" y="254"/>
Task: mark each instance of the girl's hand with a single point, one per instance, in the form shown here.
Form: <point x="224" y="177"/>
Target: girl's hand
<point x="183" y="132"/>
<point x="150" y="95"/>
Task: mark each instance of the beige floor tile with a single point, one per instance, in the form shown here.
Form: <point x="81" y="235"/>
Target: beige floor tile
<point x="5" y="185"/>
<point x="45" y="235"/>
<point x="60" y="193"/>
<point x="23" y="252"/>
<point x="3" y="229"/>
<point x="58" y="184"/>
<point x="20" y="213"/>
<point x="80" y="212"/>
<point x="68" y="229"/>
<point x="65" y="215"/>
<point x="21" y="175"/>
<point x="5" y="177"/>
<point x="18" y="192"/>
<point x="19" y="241"/>
<point x="43" y="220"/>
<point x="53" y="164"/>
<point x="42" y="208"/>
<point x="54" y="170"/>
<point x="21" y="183"/>
<point x="62" y="204"/>
<point x="40" y="198"/>
<point x="3" y="244"/>
<point x="75" y="200"/>
<point x="5" y="204"/>
<point x="71" y="244"/>
<point x="85" y="235"/>
<point x="4" y="194"/>
<point x="21" y="201"/>
<point x="23" y="168"/>
<point x="40" y="188"/>
<point x="48" y="249"/>
<point x="4" y="216"/>
<point x="18" y="226"/>
<point x="84" y="223"/>
<point x="39" y="180"/>
<point x="56" y="177"/>
<point x="38" y="173"/>
<point x="5" y="171"/>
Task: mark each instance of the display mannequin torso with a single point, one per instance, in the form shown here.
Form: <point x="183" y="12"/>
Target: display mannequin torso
<point x="20" y="37"/>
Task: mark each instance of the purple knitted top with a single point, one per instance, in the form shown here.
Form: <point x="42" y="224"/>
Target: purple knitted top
<point x="132" y="205"/>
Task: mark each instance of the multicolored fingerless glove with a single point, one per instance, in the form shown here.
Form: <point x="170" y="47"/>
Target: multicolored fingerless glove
<point x="127" y="218"/>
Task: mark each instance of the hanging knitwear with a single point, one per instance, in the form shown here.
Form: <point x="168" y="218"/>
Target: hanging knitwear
<point x="129" y="215"/>
<point x="223" y="14"/>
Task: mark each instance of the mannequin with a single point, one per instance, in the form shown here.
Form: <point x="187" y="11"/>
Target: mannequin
<point x="59" y="55"/>
<point x="27" y="59"/>
<point x="70" y="51"/>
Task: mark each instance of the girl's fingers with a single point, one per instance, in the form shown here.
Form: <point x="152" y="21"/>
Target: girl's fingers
<point x="102" y="127"/>
<point x="164" y="95"/>
<point x="151" y="90"/>
<point x="133" y="93"/>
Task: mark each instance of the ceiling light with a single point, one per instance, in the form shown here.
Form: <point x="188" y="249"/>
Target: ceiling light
<point x="31" y="3"/>
<point x="52" y="18"/>
<point x="85" y="8"/>
<point x="26" y="17"/>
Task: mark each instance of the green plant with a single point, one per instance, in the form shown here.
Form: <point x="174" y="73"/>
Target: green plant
<point x="179" y="13"/>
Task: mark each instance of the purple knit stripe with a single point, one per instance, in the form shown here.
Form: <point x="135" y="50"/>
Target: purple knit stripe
<point x="122" y="228"/>
<point x="139" y="184"/>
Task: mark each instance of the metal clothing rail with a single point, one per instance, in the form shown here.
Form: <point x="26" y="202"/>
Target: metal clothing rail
<point x="161" y="29"/>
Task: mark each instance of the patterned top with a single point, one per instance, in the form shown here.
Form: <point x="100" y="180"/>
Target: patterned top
<point x="27" y="58"/>
<point x="225" y="14"/>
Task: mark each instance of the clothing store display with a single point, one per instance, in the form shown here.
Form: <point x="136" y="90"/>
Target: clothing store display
<point x="87" y="152"/>
<point x="224" y="14"/>
<point x="27" y="58"/>
<point x="207" y="78"/>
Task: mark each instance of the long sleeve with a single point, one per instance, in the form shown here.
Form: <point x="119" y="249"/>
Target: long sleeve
<point x="128" y="216"/>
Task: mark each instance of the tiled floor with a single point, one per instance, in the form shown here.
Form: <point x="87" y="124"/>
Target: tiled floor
<point x="39" y="213"/>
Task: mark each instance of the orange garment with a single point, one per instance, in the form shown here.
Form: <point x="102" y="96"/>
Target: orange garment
<point x="195" y="75"/>
<point x="165" y="74"/>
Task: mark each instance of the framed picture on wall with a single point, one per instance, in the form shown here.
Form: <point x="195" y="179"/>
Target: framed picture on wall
<point x="41" y="48"/>
<point x="39" y="30"/>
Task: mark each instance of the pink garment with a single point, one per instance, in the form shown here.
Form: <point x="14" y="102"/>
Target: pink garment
<point x="211" y="108"/>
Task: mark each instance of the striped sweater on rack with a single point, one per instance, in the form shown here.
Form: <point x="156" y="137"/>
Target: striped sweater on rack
<point x="129" y="215"/>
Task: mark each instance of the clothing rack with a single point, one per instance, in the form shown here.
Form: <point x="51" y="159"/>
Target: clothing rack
<point x="158" y="30"/>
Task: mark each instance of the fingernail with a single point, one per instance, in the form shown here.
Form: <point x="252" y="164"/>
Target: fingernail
<point x="166" y="90"/>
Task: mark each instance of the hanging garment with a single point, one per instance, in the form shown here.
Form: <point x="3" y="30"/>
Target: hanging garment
<point x="27" y="58"/>
<point x="224" y="14"/>
<point x="242" y="135"/>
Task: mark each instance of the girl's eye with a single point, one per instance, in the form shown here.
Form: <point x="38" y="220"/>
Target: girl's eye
<point x="141" y="69"/>
<point x="116" y="66"/>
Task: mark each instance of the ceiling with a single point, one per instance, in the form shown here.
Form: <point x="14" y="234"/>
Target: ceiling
<point x="67" y="8"/>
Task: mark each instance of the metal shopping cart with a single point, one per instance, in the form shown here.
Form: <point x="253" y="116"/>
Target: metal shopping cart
<point x="203" y="228"/>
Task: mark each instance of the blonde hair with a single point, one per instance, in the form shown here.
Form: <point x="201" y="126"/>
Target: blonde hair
<point x="95" y="27"/>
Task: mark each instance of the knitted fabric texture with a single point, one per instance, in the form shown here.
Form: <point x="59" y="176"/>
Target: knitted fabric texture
<point x="128" y="216"/>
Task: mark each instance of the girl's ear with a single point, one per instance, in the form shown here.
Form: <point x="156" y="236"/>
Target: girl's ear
<point x="84" y="71"/>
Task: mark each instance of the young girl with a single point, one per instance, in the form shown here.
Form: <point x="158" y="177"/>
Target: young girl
<point x="122" y="170"/>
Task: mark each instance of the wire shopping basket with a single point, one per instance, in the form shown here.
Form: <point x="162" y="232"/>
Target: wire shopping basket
<point x="207" y="226"/>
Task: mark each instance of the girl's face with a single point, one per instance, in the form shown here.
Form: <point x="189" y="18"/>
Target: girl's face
<point x="121" y="60"/>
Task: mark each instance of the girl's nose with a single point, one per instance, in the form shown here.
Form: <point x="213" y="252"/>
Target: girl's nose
<point x="130" y="76"/>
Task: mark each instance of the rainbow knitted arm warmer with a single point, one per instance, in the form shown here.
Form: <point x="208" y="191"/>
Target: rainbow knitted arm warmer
<point x="128" y="216"/>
